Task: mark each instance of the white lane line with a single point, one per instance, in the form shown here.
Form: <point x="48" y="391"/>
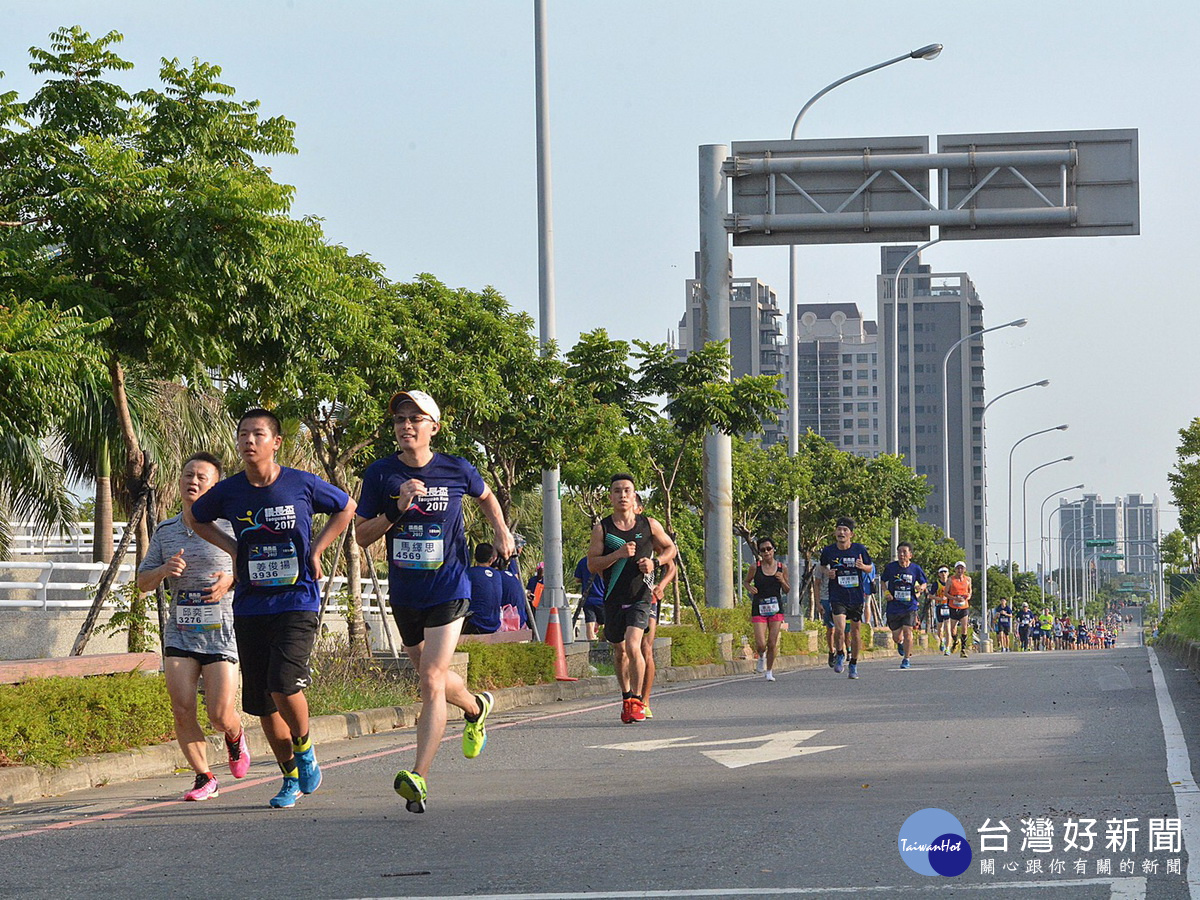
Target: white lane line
<point x="1179" y="774"/>
<point x="1121" y="889"/>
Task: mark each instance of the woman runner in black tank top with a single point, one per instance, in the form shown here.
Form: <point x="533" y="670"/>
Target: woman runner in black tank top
<point x="767" y="582"/>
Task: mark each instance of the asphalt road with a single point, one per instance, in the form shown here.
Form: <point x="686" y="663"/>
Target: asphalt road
<point x="736" y="788"/>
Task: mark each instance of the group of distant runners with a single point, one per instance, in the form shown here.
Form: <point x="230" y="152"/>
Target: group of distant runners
<point x="242" y="567"/>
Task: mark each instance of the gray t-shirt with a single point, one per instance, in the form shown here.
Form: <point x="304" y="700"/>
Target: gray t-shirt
<point x="194" y="625"/>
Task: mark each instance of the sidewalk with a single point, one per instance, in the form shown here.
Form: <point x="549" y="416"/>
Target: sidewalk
<point x="22" y="784"/>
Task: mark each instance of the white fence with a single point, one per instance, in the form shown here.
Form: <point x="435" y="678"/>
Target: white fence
<point x="56" y="577"/>
<point x="29" y="540"/>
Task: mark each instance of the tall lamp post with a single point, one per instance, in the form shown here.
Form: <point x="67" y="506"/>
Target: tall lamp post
<point x="1044" y="526"/>
<point x="1016" y="323"/>
<point x="895" y="430"/>
<point x="984" y="611"/>
<point x="1024" y="552"/>
<point x="1024" y="508"/>
<point x="929" y="51"/>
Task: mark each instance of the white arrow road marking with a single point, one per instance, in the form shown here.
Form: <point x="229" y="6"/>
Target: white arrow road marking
<point x="780" y="745"/>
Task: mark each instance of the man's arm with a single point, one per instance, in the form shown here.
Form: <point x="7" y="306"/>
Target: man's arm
<point x="598" y="560"/>
<point x="502" y="538"/>
<point x="338" y="522"/>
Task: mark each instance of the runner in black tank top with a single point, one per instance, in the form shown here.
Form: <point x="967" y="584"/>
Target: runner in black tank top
<point x="623" y="547"/>
<point x="767" y="582"/>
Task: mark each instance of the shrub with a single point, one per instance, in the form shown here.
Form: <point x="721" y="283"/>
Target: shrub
<point x="690" y="646"/>
<point x="504" y="665"/>
<point x="1183" y="616"/>
<point x="343" y="682"/>
<point x="49" y="721"/>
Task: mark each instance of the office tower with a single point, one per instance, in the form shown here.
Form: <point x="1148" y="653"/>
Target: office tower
<point x="937" y="309"/>
<point x="837" y="362"/>
<point x="757" y="337"/>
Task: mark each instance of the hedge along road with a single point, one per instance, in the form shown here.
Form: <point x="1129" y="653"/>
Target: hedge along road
<point x="707" y="799"/>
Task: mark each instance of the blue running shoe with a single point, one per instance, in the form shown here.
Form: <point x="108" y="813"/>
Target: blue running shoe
<point x="839" y="663"/>
<point x="288" y="794"/>
<point x="907" y="664"/>
<point x="900" y="649"/>
<point x="853" y="670"/>
<point x="310" y="772"/>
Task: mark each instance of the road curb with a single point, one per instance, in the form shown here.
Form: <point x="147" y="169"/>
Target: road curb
<point x="22" y="784"/>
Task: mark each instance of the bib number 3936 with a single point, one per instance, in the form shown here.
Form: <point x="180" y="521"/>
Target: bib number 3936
<point x="272" y="565"/>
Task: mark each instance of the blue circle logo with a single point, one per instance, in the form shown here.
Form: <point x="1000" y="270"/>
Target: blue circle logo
<point x="933" y="842"/>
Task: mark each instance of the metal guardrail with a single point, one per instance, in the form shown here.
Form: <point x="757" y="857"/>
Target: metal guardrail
<point x="45" y="574"/>
<point x="28" y="539"/>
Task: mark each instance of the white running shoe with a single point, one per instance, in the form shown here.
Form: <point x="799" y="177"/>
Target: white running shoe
<point x="760" y="665"/>
<point x="770" y="675"/>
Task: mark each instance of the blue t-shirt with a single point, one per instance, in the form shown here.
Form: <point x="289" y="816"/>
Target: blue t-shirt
<point x="273" y="527"/>
<point x="591" y="584"/>
<point x="514" y="595"/>
<point x="487" y="591"/>
<point x="427" y="547"/>
<point x="901" y="584"/>
<point x="1004" y="615"/>
<point x="846" y="585"/>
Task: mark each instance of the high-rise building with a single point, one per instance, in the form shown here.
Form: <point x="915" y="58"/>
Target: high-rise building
<point x="837" y="365"/>
<point x="937" y="309"/>
<point x="1130" y="523"/>
<point x="757" y="336"/>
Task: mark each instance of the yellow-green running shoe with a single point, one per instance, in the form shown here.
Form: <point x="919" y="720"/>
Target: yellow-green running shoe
<point x="475" y="734"/>
<point x="411" y="787"/>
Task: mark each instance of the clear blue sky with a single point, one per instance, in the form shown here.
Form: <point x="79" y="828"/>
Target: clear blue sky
<point x="415" y="122"/>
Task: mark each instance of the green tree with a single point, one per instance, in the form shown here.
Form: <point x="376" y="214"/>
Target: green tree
<point x="1185" y="482"/>
<point x="1177" y="552"/>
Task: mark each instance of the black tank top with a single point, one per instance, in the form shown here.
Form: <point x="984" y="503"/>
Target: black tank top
<point x="766" y="601"/>
<point x="625" y="583"/>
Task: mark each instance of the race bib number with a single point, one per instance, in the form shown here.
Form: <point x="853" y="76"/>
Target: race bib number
<point x="194" y="613"/>
<point x="273" y="565"/>
<point x="943" y="609"/>
<point x="419" y="546"/>
<point x="848" y="581"/>
<point x="903" y="595"/>
<point x="769" y="607"/>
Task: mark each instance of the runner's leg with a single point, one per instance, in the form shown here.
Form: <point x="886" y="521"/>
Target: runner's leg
<point x="182" y="674"/>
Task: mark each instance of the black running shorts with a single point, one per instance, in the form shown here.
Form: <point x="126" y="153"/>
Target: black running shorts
<point x="958" y="615"/>
<point x="618" y="617"/>
<point x="274" y="652"/>
<point x="895" y="623"/>
<point x="412" y="622"/>
<point x="853" y="613"/>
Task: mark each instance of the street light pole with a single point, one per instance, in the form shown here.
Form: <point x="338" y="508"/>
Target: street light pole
<point x="1016" y="323"/>
<point x="1024" y="508"/>
<point x="1024" y="552"/>
<point x="929" y="51"/>
<point x="983" y="619"/>
<point x="895" y="430"/>
<point x="1044" y="526"/>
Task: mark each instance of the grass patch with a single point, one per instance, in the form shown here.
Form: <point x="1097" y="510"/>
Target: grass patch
<point x="344" y="683"/>
<point x="690" y="646"/>
<point x="1182" y="617"/>
<point x="50" y="721"/>
<point x="505" y="665"/>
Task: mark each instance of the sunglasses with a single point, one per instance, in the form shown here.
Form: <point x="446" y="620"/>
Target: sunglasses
<point x="415" y="420"/>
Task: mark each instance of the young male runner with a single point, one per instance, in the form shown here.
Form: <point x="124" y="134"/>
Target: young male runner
<point x="592" y="588"/>
<point x="277" y="597"/>
<point x="199" y="639"/>
<point x="414" y="497"/>
<point x="1025" y="619"/>
<point x="1004" y="616"/>
<point x="843" y="564"/>
<point x="666" y="575"/>
<point x="904" y="582"/>
<point x="958" y="593"/>
<point x="622" y="549"/>
<point x="941" y="610"/>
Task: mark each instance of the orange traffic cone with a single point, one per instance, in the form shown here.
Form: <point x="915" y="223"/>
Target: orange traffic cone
<point x="554" y="638"/>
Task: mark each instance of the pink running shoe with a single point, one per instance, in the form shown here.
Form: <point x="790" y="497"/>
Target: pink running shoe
<point x="239" y="756"/>
<point x="205" y="787"/>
